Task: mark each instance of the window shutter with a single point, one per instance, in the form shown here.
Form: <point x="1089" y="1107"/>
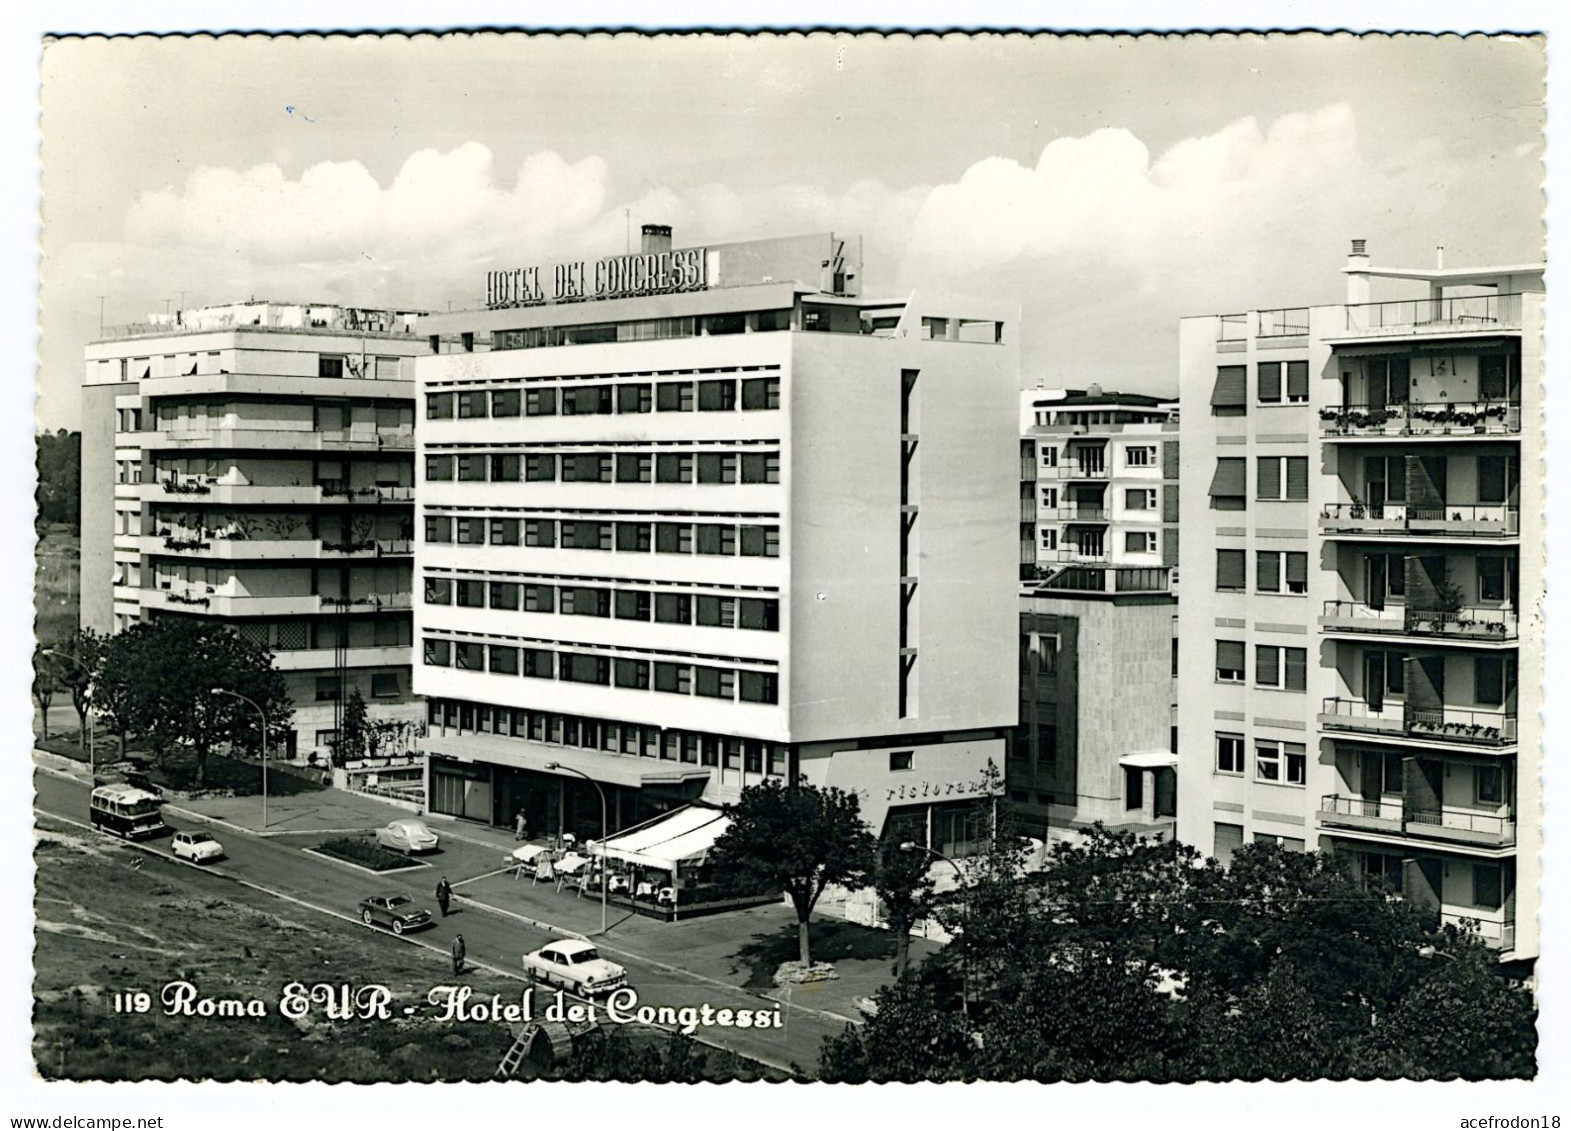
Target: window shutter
<point x="1268" y="477"/>
<point x="1232" y="387"/>
<point x="1169" y="459"/>
<point x="1230" y="569"/>
<point x="1230" y="655"/>
<point x="1298" y="477"/>
<point x="1488" y="680"/>
<point x="1269" y="378"/>
<point x="1296" y="661"/>
<point x="1298" y="380"/>
<point x="1268" y="571"/>
<point x="1170" y="547"/>
<point x="1491" y="479"/>
<point x="1297" y="568"/>
<point x="1229" y="479"/>
<point x="1170" y="503"/>
<point x="1267" y="664"/>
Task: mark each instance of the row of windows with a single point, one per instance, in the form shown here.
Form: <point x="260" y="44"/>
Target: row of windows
<point x="384" y="685"/>
<point x="1282" y="668"/>
<point x="722" y="539"/>
<point x="709" y="395"/>
<point x="648" y="329"/>
<point x="1284" y="763"/>
<point x="606" y="671"/>
<point x="606" y="467"/>
<point x="1276" y="571"/>
<point x="1277" y="478"/>
<point x="584" y="733"/>
<point x="759" y="613"/>
<point x="1276" y="382"/>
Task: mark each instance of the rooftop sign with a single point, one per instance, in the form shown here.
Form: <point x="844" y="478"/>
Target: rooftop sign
<point x="619" y="276"/>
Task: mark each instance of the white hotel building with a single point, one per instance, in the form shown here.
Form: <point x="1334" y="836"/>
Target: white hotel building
<point x="1364" y="522"/>
<point x="740" y="523"/>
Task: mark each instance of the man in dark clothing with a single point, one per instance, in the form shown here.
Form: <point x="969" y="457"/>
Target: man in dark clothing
<point x="458" y="954"/>
<point x="520" y="826"/>
<point x="444" y="895"/>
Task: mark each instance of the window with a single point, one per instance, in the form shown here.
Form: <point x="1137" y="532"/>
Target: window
<point x="540" y="532"/>
<point x="585" y="601"/>
<point x="674" y="467"/>
<point x="1134" y="788"/>
<point x="717" y="467"/>
<point x="674" y="537"/>
<point x="471" y="469"/>
<point x="539" y="599"/>
<point x="469" y="530"/>
<point x="900" y="760"/>
<point x="505" y="468"/>
<point x="1140" y="456"/>
<point x="1494" y="680"/>
<point x="539" y="663"/>
<point x="1230" y="661"/>
<point x="586" y="400"/>
<point x="1270" y="386"/>
<point x="438" y="591"/>
<point x="673" y="608"/>
<point x="578" y="667"/>
<point x="1049" y="538"/>
<point x="634" y="536"/>
<point x="1227" y="840"/>
<point x="384" y="685"/>
<point x="759" y="687"/>
<point x="540" y="402"/>
<point x="674" y="396"/>
<point x="1496" y="479"/>
<point x="1488" y="785"/>
<point x="540" y="469"/>
<point x="1229" y="491"/>
<point x="438" y="469"/>
<point x="760" y="393"/>
<point x="504" y="659"/>
<point x="504" y="594"/>
<point x="634" y="398"/>
<point x="1285" y="763"/>
<point x="675" y="678"/>
<point x="717" y="612"/>
<point x="1486" y="886"/>
<point x="716" y="396"/>
<point x="1270" y="576"/>
<point x="586" y="535"/>
<point x="586" y="467"/>
<point x="1491" y="579"/>
<point x="1268" y="382"/>
<point x="714" y="539"/>
<point x="760" y="467"/>
<point x="439" y="529"/>
<point x="758" y="613"/>
<point x="506" y="402"/>
<point x="1050" y="497"/>
<point x="470" y="594"/>
<point x="1049" y="456"/>
<point x="714" y="683"/>
<point x="1283" y="668"/>
<point x="330" y="367"/>
<point x="1282" y="477"/>
<point x="632" y="604"/>
<point x="439" y="406"/>
<point x="634" y="468"/>
<point x="471" y="405"/>
<point x="632" y="673"/>
<point x="760" y="541"/>
<point x="326" y="688"/>
<point x="1229" y="753"/>
<point x="1230" y="571"/>
<point x="1140" y="541"/>
<point x="1230" y="395"/>
<point x="1297" y="382"/>
<point x="1140" y="498"/>
<point x="469" y="657"/>
<point x="438" y="653"/>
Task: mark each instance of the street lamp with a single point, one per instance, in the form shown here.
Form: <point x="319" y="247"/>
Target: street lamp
<point x="605" y="831"/>
<point x="263" y="713"/>
<point x="960" y="881"/>
<point x="91" y="767"/>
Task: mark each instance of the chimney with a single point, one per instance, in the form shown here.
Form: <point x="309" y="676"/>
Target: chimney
<point x="1440" y="257"/>
<point x="1357" y="274"/>
<point x="1093" y="390"/>
<point x="656" y="238"/>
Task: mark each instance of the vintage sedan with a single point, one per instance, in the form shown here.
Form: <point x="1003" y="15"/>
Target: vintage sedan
<point x="394" y="910"/>
<point x="407" y="837"/>
<point x="575" y="965"/>
<point x="196" y="847"/>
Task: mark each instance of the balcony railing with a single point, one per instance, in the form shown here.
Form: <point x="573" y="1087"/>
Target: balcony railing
<point x="1439" y="724"/>
<point x="1429" y="418"/>
<point x="1496" y="935"/>
<point x="1468" y="623"/>
<point x="1079" y="512"/>
<point x="1396" y="815"/>
<point x="1078" y="469"/>
<point x="1292" y="322"/>
<point x="1436" y="315"/>
<point x="1106" y="579"/>
<point x="1074" y="553"/>
<point x="1463" y="520"/>
<point x="1027" y="510"/>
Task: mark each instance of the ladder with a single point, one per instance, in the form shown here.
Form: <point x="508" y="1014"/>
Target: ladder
<point x="519" y="1049"/>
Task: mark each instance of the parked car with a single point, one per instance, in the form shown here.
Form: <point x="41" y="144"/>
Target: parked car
<point x="394" y="910"/>
<point x="196" y="847"/>
<point x="406" y="837"/>
<point x="574" y="965"/>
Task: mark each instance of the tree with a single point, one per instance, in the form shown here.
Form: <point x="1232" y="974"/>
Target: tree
<point x="910" y="1038"/>
<point x="904" y="885"/>
<point x="48" y="681"/>
<point x="88" y="648"/>
<point x="160" y="680"/>
<point x="59" y="477"/>
<point x="799" y="838"/>
<point x="356" y="736"/>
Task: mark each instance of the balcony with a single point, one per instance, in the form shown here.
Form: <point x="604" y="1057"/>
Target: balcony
<point x="278" y="439"/>
<point x="1495" y="934"/>
<point x="1405" y="520"/>
<point x="1074" y="554"/>
<point x="210" y="489"/>
<point x="1469" y="419"/>
<point x="1027" y="510"/>
<point x="1466" y="315"/>
<point x="207" y="601"/>
<point x="1490" y="729"/>
<point x="1470" y="623"/>
<point x="1077" y="469"/>
<point x="1392" y="815"/>
<point x="1105" y="579"/>
<point x="1081" y="512"/>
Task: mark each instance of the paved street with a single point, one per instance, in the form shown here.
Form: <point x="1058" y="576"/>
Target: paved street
<point x="502" y="917"/>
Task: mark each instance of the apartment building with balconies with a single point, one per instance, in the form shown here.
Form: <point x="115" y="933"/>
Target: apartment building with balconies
<point x="253" y="463"/>
<point x="715" y="518"/>
<point x="1098" y="543"/>
<point x="1364" y="521"/>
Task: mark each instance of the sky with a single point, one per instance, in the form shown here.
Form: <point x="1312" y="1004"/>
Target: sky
<point x="1111" y="185"/>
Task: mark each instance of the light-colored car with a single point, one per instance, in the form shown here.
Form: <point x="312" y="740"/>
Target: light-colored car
<point x="394" y="910"/>
<point x="576" y="965"/>
<point x="406" y="837"/>
<point x="196" y="847"/>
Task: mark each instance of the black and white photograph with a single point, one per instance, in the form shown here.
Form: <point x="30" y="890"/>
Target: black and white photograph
<point x="808" y="556"/>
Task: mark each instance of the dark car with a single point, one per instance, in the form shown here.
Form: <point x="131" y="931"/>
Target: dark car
<point x="396" y="911"/>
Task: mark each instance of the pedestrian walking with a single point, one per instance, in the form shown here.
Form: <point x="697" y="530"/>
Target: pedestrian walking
<point x="444" y="895"/>
<point x="520" y="826"/>
<point x="458" y="954"/>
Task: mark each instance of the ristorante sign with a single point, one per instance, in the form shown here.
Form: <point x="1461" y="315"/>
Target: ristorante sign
<point x="618" y="276"/>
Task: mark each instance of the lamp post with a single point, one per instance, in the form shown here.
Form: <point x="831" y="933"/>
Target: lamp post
<point x="263" y="713"/>
<point x="91" y="766"/>
<point x="605" y="831"/>
<point x="960" y="880"/>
